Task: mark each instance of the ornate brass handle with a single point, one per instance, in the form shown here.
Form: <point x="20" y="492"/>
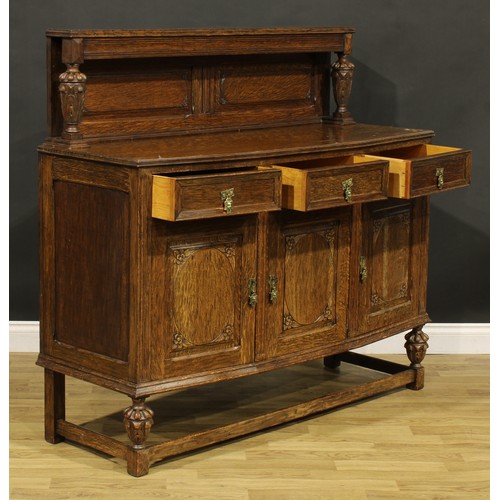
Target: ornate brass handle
<point x="273" y="289"/>
<point x="347" y="187"/>
<point x="252" y="292"/>
<point x="363" y="271"/>
<point x="227" y="198"/>
<point x="440" y="177"/>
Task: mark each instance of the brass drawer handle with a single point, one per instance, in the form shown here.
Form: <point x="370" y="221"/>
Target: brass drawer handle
<point x="227" y="198"/>
<point x="363" y="271"/>
<point x="252" y="292"/>
<point x="440" y="177"/>
<point x="347" y="187"/>
<point x="273" y="289"/>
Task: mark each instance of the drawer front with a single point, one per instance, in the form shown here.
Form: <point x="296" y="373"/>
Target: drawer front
<point x="440" y="173"/>
<point x="307" y="186"/>
<point x="216" y="195"/>
<point x="426" y="169"/>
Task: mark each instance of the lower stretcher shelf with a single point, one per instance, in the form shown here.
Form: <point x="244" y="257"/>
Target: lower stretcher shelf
<point x="140" y="456"/>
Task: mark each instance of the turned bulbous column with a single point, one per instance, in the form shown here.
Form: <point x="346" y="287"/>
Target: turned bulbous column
<point x="416" y="346"/>
<point x="72" y="85"/>
<point x="138" y="420"/>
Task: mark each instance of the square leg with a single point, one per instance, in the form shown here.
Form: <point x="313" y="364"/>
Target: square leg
<point x="55" y="404"/>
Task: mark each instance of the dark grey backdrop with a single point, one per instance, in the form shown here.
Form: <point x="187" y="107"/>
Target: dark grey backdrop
<point x="419" y="64"/>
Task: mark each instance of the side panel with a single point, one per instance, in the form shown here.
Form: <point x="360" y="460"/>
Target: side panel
<point x="85" y="265"/>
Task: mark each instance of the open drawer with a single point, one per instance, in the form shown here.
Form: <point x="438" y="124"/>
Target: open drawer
<point x="426" y="169"/>
<point x="220" y="194"/>
<point x="324" y="183"/>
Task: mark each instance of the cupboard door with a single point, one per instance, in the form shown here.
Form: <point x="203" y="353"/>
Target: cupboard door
<point x="390" y="263"/>
<point x="307" y="282"/>
<point x="203" y="316"/>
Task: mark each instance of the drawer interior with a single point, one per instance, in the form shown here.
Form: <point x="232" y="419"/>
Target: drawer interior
<point x="207" y="173"/>
<point x="419" y="151"/>
<point x="325" y="163"/>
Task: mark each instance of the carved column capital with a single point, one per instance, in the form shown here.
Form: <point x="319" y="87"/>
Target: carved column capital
<point x="342" y="74"/>
<point x="72" y="84"/>
<point x="416" y="346"/>
<point x="138" y="420"/>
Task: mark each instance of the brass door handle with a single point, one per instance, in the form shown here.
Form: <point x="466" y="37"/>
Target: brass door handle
<point x="363" y="271"/>
<point x="347" y="188"/>
<point x="227" y="199"/>
<point x="252" y="292"/>
<point x="440" y="177"/>
<point x="273" y="289"/>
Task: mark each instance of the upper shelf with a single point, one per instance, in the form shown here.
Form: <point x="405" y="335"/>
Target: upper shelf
<point x="82" y="45"/>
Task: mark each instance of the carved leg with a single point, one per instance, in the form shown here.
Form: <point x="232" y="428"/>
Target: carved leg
<point x="54" y="404"/>
<point x="416" y="346"/>
<point x="138" y="420"/>
<point x="331" y="362"/>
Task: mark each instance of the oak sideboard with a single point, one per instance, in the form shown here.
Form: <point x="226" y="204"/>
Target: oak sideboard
<point x="209" y="209"/>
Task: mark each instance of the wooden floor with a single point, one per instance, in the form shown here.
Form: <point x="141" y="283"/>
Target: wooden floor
<point x="432" y="444"/>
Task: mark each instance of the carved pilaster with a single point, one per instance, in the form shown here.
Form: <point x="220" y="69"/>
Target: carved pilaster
<point x="72" y="85"/>
<point x="416" y="346"/>
<point x="342" y="73"/>
<point x="138" y="420"/>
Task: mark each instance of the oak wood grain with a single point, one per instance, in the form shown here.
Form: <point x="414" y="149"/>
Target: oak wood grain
<point x="414" y="170"/>
<point x="272" y="145"/>
<point x="316" y="184"/>
<point x="167" y="260"/>
<point x="198" y="196"/>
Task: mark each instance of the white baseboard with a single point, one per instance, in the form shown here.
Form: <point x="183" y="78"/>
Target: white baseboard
<point x="24" y="336"/>
<point x="445" y="338"/>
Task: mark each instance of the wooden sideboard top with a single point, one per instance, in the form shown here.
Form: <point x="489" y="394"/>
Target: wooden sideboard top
<point x="246" y="145"/>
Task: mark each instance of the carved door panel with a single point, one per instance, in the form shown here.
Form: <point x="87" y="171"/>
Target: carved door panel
<point x="204" y="317"/>
<point x="308" y="271"/>
<point x="389" y="264"/>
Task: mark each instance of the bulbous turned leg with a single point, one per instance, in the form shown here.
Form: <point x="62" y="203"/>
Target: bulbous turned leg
<point x="331" y="362"/>
<point x="416" y="346"/>
<point x="138" y="420"/>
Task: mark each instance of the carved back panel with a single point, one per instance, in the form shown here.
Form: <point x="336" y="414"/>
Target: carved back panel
<point x="135" y="83"/>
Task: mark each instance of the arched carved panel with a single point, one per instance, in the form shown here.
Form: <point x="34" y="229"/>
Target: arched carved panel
<point x="309" y="257"/>
<point x="309" y="278"/>
<point x="392" y="240"/>
<point x="391" y="243"/>
<point x="205" y="292"/>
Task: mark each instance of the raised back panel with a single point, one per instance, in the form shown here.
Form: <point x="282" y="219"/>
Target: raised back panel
<point x="135" y="84"/>
<point x="152" y="96"/>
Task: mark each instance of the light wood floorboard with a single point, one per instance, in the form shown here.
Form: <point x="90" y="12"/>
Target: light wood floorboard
<point x="431" y="444"/>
